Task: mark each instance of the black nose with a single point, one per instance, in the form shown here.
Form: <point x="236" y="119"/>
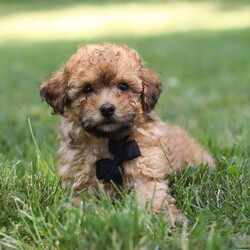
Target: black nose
<point x="107" y="109"/>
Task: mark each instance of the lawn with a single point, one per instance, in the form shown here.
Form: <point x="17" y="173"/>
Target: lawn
<point x="201" y="50"/>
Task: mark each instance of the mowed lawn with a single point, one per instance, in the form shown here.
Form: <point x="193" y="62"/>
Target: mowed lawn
<point x="201" y="50"/>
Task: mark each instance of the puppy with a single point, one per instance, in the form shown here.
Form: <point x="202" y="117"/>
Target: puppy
<point x="109" y="133"/>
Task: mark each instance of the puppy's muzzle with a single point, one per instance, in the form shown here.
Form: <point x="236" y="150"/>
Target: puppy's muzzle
<point x="107" y="110"/>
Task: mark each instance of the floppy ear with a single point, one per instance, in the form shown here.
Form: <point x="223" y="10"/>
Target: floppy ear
<point x="53" y="92"/>
<point x="152" y="89"/>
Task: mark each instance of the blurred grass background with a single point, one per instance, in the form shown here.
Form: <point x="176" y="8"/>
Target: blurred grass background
<point x="201" y="50"/>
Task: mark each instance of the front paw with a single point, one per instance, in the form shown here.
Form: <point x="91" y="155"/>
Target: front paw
<point x="173" y="214"/>
<point x="175" y="217"/>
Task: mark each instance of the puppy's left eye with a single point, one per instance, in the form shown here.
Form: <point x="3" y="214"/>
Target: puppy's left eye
<point x="88" y="89"/>
<point x="123" y="86"/>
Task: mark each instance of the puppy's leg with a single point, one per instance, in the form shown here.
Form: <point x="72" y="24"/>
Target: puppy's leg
<point x="156" y="195"/>
<point x="181" y="149"/>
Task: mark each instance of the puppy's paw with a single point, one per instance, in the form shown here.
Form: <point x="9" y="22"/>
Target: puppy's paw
<point x="175" y="217"/>
<point x="76" y="200"/>
<point x="173" y="214"/>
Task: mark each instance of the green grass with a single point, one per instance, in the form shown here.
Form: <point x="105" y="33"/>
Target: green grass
<point x="206" y="78"/>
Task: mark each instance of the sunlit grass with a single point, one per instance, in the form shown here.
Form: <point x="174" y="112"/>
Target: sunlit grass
<point x="83" y="21"/>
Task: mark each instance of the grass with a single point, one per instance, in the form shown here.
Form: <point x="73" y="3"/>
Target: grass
<point x="206" y="78"/>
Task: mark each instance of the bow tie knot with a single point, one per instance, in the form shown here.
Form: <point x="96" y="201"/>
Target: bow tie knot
<point x="111" y="169"/>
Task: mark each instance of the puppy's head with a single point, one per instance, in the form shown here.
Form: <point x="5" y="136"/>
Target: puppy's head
<point x="105" y="88"/>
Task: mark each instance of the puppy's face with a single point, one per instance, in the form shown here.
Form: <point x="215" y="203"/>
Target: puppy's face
<point x="105" y="88"/>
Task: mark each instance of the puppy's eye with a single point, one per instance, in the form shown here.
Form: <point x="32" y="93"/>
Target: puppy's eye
<point x="88" y="89"/>
<point x="123" y="86"/>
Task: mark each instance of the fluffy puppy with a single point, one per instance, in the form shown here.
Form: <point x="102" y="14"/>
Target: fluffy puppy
<point x="105" y="97"/>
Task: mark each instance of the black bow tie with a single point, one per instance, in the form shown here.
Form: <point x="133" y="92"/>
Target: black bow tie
<point x="112" y="170"/>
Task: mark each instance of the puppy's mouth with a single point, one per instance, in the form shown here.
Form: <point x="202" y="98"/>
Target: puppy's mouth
<point x="109" y="128"/>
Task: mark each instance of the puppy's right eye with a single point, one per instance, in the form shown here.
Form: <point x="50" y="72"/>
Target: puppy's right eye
<point x="123" y="86"/>
<point x="88" y="89"/>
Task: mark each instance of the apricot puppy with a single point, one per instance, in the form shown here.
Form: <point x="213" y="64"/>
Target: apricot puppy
<point x="109" y="133"/>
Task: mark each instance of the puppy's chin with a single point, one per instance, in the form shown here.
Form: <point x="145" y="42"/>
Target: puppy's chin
<point x="109" y="128"/>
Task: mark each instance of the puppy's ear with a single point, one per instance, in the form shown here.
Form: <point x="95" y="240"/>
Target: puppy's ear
<point x="53" y="92"/>
<point x="152" y="89"/>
